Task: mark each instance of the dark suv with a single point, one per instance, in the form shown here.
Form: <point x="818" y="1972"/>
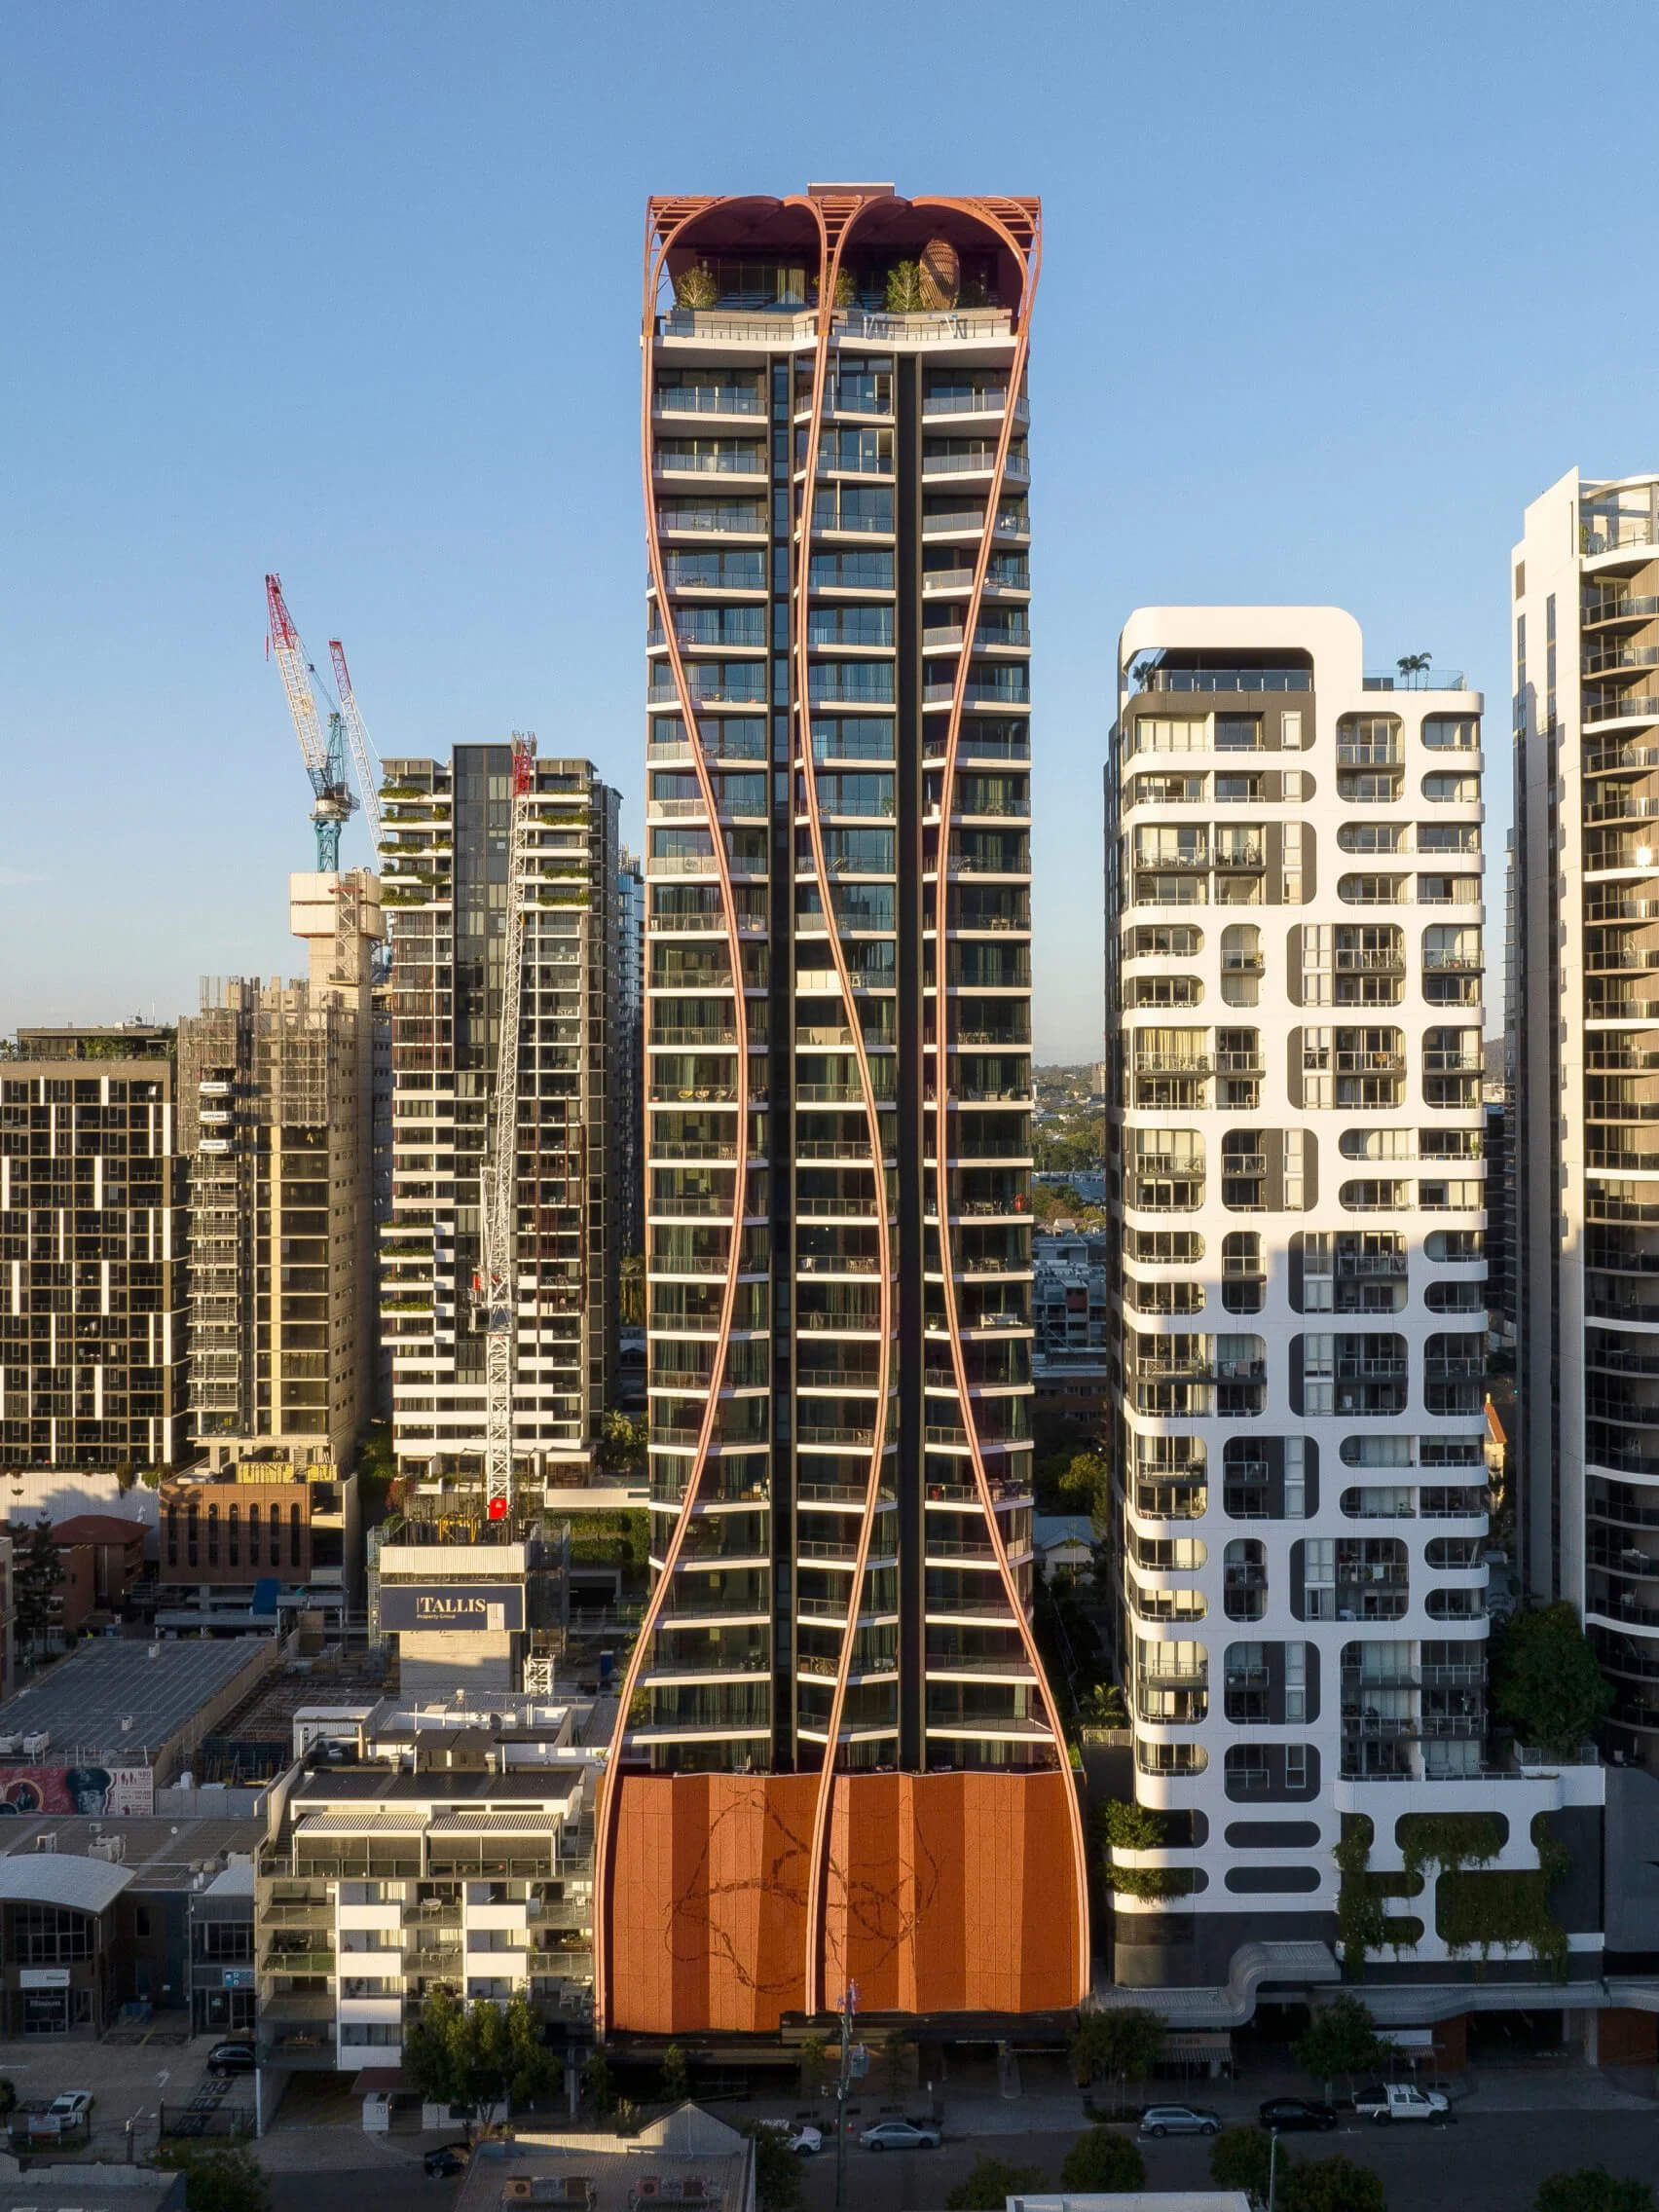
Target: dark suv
<point x="232" y="2058"/>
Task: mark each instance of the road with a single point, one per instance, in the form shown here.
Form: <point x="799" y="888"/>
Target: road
<point x="1486" y="2163"/>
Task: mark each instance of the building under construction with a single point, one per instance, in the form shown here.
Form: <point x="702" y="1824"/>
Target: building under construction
<point x="471" y="867"/>
<point x="277" y="1115"/>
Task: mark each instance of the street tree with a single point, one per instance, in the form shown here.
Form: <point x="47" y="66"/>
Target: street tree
<point x="776" y="2169"/>
<point x="1241" y="2158"/>
<point x="37" y="1575"/>
<point x="990" y="2183"/>
<point x="895" y="2061"/>
<point x="1592" y="2189"/>
<point x="1332" y="2185"/>
<point x="219" y="2181"/>
<point x="1342" y="2038"/>
<point x="1101" y="2160"/>
<point x="1124" y="2046"/>
<point x="480" y="2055"/>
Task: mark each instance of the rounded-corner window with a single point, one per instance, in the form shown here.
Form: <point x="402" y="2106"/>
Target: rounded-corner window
<point x="1271" y="1835"/>
<point x="1272" y="1881"/>
<point x="1373" y="837"/>
<point x="1370" y="890"/>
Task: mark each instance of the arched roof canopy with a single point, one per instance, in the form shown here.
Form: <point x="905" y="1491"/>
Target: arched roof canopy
<point x="886" y="230"/>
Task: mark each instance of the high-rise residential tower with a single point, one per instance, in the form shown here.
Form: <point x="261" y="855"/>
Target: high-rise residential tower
<point x="93" y="1233"/>
<point x="837" y="1755"/>
<point x="1295" y="960"/>
<point x="1586" y="648"/>
<point x="444" y="872"/>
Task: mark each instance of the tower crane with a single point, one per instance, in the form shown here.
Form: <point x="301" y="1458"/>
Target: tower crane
<point x="325" y="759"/>
<point x="496" y="1288"/>
<point x="363" y="755"/>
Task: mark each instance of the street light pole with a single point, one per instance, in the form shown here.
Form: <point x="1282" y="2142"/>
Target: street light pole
<point x="849" y="2003"/>
<point x="1272" y="2166"/>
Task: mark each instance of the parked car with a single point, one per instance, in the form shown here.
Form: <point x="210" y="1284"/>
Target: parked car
<point x="447" y="2160"/>
<point x="232" y="2058"/>
<point x="1384" y="2101"/>
<point x="901" y="2135"/>
<point x="1291" y="2113"/>
<point x="796" y="2135"/>
<point x="1179" y="2119"/>
<point x="70" y="2110"/>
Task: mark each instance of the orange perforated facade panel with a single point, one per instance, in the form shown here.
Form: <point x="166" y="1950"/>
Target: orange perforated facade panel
<point x="946" y="1893"/>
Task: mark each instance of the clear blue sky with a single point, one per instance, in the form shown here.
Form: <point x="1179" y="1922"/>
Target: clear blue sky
<point x="1330" y="292"/>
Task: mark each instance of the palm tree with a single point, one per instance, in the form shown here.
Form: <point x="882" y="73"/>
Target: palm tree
<point x="1413" y="664"/>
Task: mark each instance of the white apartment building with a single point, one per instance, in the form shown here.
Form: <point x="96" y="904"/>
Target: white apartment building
<point x="1295" y="958"/>
<point x="445" y="857"/>
<point x="1586" y="697"/>
<point x="423" y="1848"/>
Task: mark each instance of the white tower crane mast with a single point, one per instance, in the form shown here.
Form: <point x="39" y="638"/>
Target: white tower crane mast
<point x="499" y="1179"/>
<point x="363" y="754"/>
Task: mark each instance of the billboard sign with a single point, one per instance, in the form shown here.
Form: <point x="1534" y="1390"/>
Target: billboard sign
<point x="496" y="1607"/>
<point x="25" y="1790"/>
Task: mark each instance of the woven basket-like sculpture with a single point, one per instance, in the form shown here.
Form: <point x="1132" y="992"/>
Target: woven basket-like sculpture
<point x="942" y="274"/>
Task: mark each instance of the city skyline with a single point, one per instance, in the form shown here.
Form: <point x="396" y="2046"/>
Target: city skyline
<point x="930" y="1300"/>
<point x="456" y="495"/>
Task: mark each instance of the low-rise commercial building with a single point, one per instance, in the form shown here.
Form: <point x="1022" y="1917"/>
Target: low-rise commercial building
<point x="96" y="1914"/>
<point x="222" y="1996"/>
<point x="100" y="1730"/>
<point x="57" y="1942"/>
<point x="686" y="2158"/>
<point x="269" y="1517"/>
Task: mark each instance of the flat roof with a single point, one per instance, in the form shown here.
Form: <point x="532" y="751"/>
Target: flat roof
<point x="82" y="1701"/>
<point x="91" y="2188"/>
<point x="335" y="1787"/>
<point x="690" y="2147"/>
<point x="157" y="1853"/>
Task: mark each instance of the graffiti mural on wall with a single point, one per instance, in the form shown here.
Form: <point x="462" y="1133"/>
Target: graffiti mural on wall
<point x="25" y="1790"/>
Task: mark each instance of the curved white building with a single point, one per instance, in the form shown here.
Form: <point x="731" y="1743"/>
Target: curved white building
<point x="1295" y="965"/>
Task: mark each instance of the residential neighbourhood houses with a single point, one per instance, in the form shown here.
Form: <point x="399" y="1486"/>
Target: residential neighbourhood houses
<point x="358" y="1648"/>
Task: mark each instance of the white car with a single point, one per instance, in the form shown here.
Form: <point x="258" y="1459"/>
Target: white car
<point x="65" y="2112"/>
<point x="1386" y="2101"/>
<point x="796" y="2135"/>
